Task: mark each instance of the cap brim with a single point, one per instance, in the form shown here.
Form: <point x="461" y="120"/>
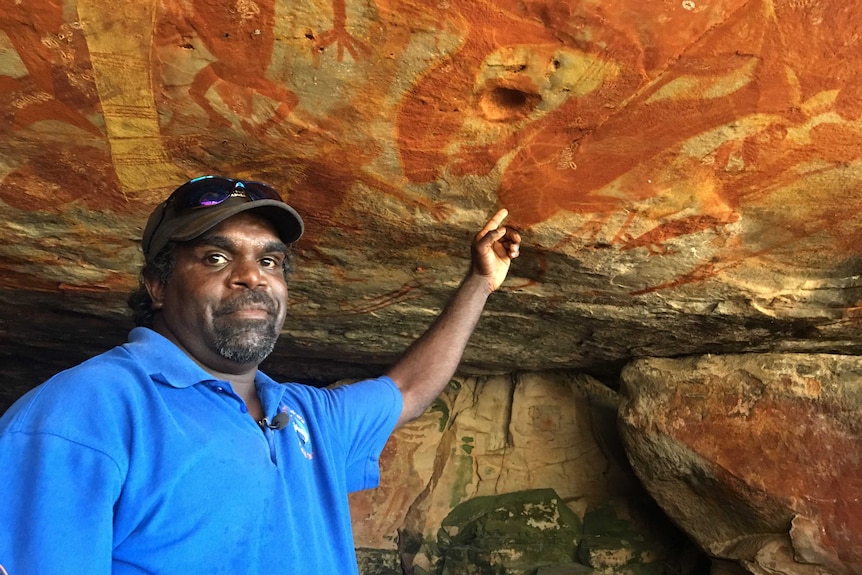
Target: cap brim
<point x="190" y="225"/>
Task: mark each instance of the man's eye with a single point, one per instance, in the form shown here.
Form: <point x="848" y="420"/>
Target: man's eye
<point x="270" y="262"/>
<point x="215" y="259"/>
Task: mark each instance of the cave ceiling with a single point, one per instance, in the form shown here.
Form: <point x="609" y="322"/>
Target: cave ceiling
<point x="685" y="173"/>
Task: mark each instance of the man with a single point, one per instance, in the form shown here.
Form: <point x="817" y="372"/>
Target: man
<point x="173" y="454"/>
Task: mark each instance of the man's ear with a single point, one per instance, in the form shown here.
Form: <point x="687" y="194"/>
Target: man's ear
<point x="156" y="289"/>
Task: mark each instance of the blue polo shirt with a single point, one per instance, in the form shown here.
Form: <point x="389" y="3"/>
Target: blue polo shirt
<point x="138" y="461"/>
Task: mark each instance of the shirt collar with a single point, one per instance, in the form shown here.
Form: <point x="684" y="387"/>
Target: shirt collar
<point x="167" y="363"/>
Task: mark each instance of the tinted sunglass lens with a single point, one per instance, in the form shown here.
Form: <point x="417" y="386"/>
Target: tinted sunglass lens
<point x="213" y="190"/>
<point x="212" y="197"/>
<point x="203" y="191"/>
<point x="260" y="191"/>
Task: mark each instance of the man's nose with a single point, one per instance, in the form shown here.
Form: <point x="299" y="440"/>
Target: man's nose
<point x="247" y="273"/>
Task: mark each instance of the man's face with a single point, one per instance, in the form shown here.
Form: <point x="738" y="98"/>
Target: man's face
<point x="226" y="300"/>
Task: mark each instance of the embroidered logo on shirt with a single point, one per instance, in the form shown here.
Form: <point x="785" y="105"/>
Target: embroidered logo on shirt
<point x="302" y="435"/>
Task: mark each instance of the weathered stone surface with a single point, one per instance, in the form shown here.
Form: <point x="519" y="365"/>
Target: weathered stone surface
<point x="378" y="562"/>
<point x="489" y="436"/>
<point x="512" y="533"/>
<point x="686" y="174"/>
<point x="757" y="457"/>
<point x="613" y="543"/>
<point x="567" y="569"/>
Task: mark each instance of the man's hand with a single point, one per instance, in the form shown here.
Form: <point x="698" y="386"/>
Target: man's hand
<point x="429" y="363"/>
<point x="494" y="248"/>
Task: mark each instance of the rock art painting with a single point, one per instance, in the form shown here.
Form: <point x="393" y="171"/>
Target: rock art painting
<point x="725" y="130"/>
<point x="239" y="38"/>
<point x="49" y="110"/>
<point x="670" y="164"/>
<point x="646" y="135"/>
<point x="49" y="78"/>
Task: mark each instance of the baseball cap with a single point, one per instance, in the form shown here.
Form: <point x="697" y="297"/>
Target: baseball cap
<point x="200" y="204"/>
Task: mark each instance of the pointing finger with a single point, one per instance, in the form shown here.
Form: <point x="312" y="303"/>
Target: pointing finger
<point x="494" y="222"/>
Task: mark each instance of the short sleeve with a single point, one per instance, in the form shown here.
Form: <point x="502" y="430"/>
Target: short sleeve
<point x="56" y="501"/>
<point x="369" y="409"/>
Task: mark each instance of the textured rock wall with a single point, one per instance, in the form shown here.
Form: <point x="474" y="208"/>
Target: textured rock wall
<point x="491" y="437"/>
<point x="686" y="174"/>
<point x="758" y="457"/>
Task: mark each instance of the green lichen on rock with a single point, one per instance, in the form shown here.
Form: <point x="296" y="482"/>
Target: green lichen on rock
<point x="378" y="561"/>
<point x="512" y="534"/>
<point x="615" y="544"/>
<point x="535" y="533"/>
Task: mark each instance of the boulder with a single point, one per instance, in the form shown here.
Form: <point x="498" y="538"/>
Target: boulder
<point x="757" y="457"/>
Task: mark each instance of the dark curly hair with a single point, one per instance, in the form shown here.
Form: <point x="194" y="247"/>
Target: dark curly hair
<point x="162" y="268"/>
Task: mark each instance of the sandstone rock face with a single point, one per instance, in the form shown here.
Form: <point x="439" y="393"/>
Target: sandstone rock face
<point x="466" y="461"/>
<point x="757" y="457"/>
<point x="486" y="436"/>
<point x="686" y="174"/>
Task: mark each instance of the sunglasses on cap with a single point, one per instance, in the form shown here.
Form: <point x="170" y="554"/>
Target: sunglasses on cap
<point x="203" y="192"/>
<point x="208" y="191"/>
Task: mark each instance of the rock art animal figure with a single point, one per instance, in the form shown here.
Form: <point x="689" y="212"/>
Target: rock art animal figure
<point x="240" y="36"/>
<point x="59" y="83"/>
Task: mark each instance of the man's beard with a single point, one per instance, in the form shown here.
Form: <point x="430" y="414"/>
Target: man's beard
<point x="246" y="340"/>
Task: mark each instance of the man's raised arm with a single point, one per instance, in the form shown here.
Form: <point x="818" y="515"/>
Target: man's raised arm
<point x="430" y="362"/>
